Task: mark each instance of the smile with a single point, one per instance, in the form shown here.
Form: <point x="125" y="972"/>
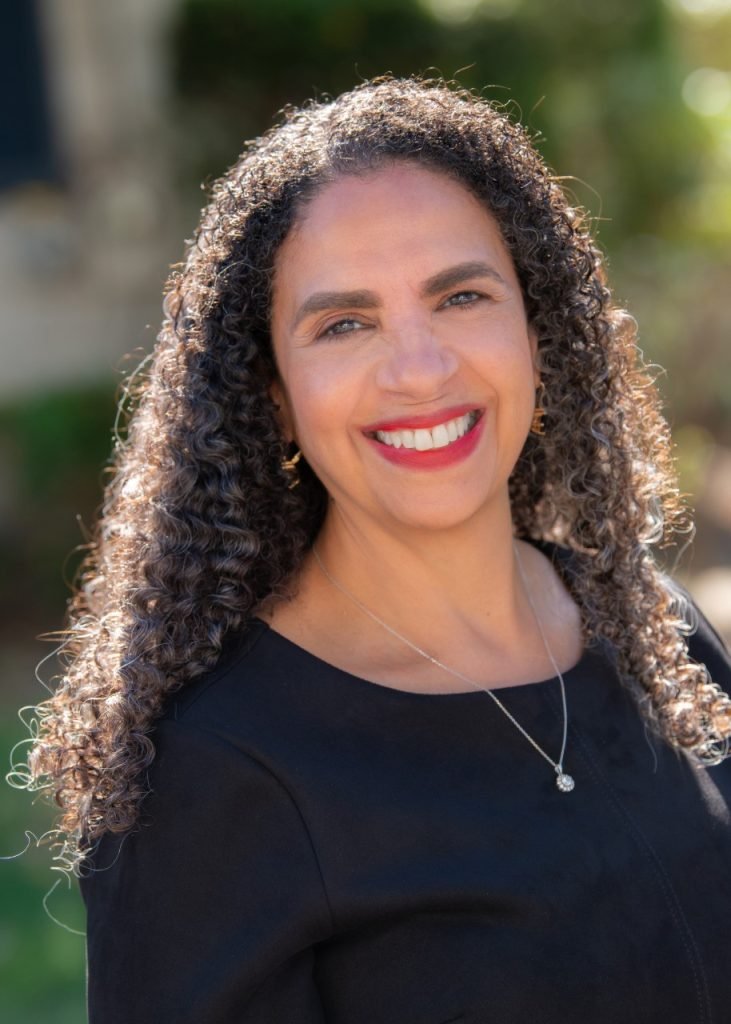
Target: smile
<point x="424" y="443"/>
<point x="422" y="440"/>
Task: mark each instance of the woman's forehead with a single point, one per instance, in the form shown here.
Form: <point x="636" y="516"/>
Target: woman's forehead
<point x="396" y="229"/>
<point x="406" y="174"/>
<point x="397" y="211"/>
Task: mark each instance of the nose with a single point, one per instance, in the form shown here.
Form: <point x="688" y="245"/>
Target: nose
<point x="417" y="363"/>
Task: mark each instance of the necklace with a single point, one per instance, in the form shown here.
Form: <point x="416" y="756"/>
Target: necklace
<point x="564" y="782"/>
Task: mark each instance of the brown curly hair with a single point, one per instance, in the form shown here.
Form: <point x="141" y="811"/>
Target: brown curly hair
<point x="200" y="525"/>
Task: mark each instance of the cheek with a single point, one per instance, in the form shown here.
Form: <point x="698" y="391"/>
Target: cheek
<point x="501" y="354"/>
<point x="322" y="400"/>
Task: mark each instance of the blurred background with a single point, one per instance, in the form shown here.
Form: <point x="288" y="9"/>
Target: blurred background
<point x="115" y="113"/>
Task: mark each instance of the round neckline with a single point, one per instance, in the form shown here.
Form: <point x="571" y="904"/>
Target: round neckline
<point x="549" y="549"/>
<point x="449" y="695"/>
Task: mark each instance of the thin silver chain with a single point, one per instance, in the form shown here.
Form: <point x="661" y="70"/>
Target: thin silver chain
<point x="556" y="765"/>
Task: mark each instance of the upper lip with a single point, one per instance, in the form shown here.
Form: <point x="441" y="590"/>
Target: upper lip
<point x="421" y="422"/>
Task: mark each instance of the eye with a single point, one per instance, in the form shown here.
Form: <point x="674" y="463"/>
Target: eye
<point x="347" y="325"/>
<point x="466" y="298"/>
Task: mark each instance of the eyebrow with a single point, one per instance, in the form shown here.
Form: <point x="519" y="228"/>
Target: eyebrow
<point x="321" y="302"/>
<point x="458" y="274"/>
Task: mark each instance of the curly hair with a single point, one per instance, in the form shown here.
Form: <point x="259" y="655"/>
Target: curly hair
<point x="200" y="523"/>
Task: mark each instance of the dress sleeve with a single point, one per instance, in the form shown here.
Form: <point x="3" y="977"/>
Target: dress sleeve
<point x="208" y="912"/>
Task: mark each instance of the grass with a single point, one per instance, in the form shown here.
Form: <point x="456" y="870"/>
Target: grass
<point x="42" y="965"/>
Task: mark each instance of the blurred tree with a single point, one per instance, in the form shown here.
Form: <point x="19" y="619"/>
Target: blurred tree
<point x="601" y="87"/>
<point x="52" y="451"/>
<point x="598" y="83"/>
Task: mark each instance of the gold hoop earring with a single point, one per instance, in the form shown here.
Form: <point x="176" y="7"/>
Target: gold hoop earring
<point x="289" y="466"/>
<point x="539" y="412"/>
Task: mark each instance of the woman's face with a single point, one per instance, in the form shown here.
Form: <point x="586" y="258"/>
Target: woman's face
<point x="406" y="363"/>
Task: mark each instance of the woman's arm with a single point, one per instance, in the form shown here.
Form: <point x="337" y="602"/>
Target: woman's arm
<point x="208" y="913"/>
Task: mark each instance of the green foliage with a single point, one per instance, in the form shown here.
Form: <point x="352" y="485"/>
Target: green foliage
<point x="598" y="83"/>
<point x="41" y="962"/>
<point x="58" y="432"/>
<point x="52" y="450"/>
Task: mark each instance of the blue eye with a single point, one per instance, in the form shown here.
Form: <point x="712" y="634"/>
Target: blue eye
<point x="463" y="299"/>
<point x="345" y="326"/>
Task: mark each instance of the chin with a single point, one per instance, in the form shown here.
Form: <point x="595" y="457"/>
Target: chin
<point x="439" y="518"/>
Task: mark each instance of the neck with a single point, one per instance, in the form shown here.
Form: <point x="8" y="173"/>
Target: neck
<point x="432" y="586"/>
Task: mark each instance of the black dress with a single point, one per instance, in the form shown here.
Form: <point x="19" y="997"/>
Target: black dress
<point x="319" y="848"/>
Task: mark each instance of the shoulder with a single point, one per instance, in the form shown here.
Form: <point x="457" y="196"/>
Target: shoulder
<point x="250" y="674"/>
<point x="222" y="861"/>
<point x="239" y="655"/>
<point x="264" y="700"/>
<point x="219" y="797"/>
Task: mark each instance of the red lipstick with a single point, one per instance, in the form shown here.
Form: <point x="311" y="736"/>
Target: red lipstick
<point x="432" y="458"/>
<point x="423" y="421"/>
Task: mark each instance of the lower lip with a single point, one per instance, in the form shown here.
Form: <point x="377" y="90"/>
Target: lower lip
<point x="433" y="458"/>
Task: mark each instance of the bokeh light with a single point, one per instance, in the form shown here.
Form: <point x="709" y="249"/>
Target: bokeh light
<point x="707" y="91"/>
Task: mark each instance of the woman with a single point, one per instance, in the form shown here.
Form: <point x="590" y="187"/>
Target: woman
<point x="374" y="566"/>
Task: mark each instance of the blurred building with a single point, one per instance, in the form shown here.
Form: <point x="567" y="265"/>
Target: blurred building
<point x="87" y="218"/>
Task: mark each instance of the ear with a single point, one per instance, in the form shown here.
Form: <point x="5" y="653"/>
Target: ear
<point x="283" y="410"/>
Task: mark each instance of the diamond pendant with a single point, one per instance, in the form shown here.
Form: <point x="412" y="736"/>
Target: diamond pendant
<point x="564" y="782"/>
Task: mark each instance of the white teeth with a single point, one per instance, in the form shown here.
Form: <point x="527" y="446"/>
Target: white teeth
<point x="440" y="435"/>
<point x="423" y="440"/>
